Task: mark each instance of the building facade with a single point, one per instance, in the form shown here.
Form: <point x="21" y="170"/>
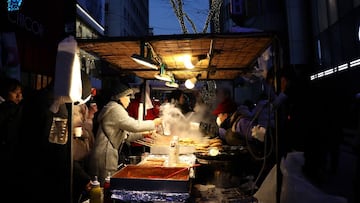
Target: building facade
<point x="127" y="18"/>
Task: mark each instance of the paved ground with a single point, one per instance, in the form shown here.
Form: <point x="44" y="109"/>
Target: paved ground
<point x="342" y="183"/>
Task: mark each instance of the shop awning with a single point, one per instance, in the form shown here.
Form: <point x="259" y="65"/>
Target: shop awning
<point x="227" y="56"/>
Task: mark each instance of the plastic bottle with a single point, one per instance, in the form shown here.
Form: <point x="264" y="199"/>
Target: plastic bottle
<point x="107" y="193"/>
<point x="96" y="194"/>
<point x="173" y="151"/>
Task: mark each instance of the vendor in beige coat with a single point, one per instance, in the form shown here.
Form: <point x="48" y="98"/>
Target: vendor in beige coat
<point x="116" y="127"/>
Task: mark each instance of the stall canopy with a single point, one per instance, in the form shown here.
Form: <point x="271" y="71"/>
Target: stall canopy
<point x="215" y="56"/>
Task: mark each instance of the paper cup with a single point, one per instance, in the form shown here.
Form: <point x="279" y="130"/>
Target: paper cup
<point x="78" y="131"/>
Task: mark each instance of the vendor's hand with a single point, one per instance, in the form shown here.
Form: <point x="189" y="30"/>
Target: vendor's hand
<point x="154" y="134"/>
<point x="151" y="136"/>
<point x="88" y="186"/>
<point x="258" y="133"/>
<point x="162" y="139"/>
<point x="157" y="121"/>
<point x="148" y="134"/>
<point x="92" y="109"/>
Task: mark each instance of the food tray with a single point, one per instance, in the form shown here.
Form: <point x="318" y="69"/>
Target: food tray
<point x="144" y="178"/>
<point x="164" y="149"/>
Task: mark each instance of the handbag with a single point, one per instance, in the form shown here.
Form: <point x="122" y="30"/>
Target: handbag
<point x="83" y="145"/>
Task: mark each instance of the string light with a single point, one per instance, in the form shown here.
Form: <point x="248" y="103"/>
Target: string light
<point x="213" y="15"/>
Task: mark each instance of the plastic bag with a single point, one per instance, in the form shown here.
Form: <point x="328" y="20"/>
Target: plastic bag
<point x="296" y="188"/>
<point x="267" y="191"/>
<point x="59" y="131"/>
<point x="68" y="71"/>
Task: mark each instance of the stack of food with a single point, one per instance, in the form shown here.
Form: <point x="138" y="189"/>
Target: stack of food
<point x="216" y="142"/>
<point x="153" y="161"/>
<point x="162" y="143"/>
<point x="188" y="145"/>
<point x="206" y="147"/>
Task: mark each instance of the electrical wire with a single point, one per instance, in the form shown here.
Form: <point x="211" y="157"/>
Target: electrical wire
<point x="266" y="138"/>
<point x="248" y="131"/>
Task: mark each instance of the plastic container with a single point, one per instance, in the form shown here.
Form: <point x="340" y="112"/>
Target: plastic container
<point x="107" y="192"/>
<point x="166" y="128"/>
<point x="173" y="151"/>
<point x="96" y="194"/>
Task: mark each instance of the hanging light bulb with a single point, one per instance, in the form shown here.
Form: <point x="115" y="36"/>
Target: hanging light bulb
<point x="191" y="61"/>
<point x="190" y="83"/>
<point x="187" y="62"/>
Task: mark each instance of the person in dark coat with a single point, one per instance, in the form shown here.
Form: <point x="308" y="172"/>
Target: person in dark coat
<point x="83" y="142"/>
<point x="10" y="110"/>
<point x="178" y="99"/>
<point x="10" y="125"/>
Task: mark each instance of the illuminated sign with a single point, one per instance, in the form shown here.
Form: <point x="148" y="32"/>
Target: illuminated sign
<point x="27" y="23"/>
<point x="13" y="5"/>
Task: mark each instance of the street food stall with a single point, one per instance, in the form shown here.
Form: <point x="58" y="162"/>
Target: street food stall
<point x="204" y="168"/>
<point x="215" y="56"/>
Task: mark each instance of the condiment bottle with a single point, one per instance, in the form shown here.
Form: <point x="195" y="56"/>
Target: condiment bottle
<point x="96" y="195"/>
<point x="173" y="151"/>
<point x="107" y="193"/>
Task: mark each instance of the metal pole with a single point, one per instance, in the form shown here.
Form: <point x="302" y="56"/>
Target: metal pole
<point x="69" y="152"/>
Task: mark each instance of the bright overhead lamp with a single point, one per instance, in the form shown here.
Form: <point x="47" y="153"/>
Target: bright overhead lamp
<point x="145" y="61"/>
<point x="172" y="83"/>
<point x="188" y="62"/>
<point x="191" y="61"/>
<point x="151" y="60"/>
<point x="163" y="77"/>
<point x="190" y="83"/>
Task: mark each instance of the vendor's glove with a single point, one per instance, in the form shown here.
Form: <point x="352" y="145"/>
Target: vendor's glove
<point x="258" y="133"/>
<point x="158" y="121"/>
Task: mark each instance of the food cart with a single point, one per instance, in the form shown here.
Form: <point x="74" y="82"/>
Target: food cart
<point x="201" y="171"/>
<point x="207" y="173"/>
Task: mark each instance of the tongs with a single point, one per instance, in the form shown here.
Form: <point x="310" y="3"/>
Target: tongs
<point x="146" y="141"/>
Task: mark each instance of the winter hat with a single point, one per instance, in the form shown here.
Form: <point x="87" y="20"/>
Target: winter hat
<point x="226" y="106"/>
<point x="120" y="90"/>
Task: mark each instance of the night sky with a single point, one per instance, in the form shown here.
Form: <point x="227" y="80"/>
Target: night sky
<point x="164" y="21"/>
